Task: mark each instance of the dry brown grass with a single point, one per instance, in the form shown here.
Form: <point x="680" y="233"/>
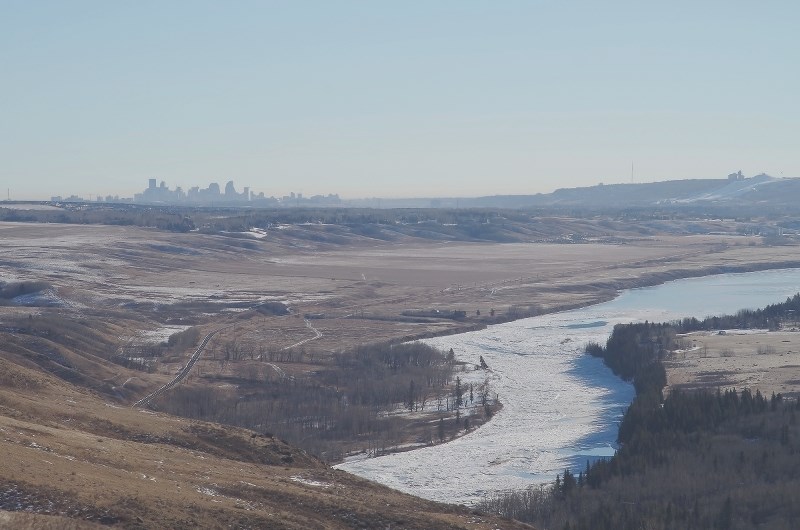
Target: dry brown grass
<point x="74" y="457"/>
<point x="75" y="449"/>
<point x="768" y="361"/>
<point x="194" y="278"/>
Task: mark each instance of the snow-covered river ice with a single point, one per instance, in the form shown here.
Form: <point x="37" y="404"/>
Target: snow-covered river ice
<point x="560" y="406"/>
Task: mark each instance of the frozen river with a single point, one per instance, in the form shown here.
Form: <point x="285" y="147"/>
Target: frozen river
<point x="561" y="406"/>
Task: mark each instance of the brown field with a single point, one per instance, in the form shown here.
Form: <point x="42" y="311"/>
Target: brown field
<point x="361" y="288"/>
<point x="74" y="448"/>
<point x="768" y="361"/>
<point x="144" y="279"/>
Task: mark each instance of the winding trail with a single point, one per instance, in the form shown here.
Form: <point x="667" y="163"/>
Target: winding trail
<point x="180" y="376"/>
<point x="183" y="373"/>
<point x="278" y="369"/>
<point x="317" y="335"/>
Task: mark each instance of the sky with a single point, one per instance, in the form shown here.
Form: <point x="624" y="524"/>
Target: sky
<point x="393" y="99"/>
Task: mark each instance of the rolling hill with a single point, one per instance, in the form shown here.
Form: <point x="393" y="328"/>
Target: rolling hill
<point x="77" y="455"/>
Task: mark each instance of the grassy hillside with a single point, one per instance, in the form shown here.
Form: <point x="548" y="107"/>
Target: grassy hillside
<point x="76" y="455"/>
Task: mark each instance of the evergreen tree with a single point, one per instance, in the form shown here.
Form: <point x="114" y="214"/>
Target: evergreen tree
<point x="410" y="400"/>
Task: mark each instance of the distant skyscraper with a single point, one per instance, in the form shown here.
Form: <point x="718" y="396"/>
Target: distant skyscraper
<point x="230" y="191"/>
<point x="214" y="195"/>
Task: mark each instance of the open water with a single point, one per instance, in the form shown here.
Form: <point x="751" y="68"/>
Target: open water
<point x="561" y="406"/>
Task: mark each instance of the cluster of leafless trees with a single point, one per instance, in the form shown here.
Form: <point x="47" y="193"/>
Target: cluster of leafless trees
<point x="351" y="401"/>
<point x="145" y="356"/>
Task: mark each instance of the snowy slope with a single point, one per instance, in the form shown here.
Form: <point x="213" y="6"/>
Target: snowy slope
<point x="732" y="190"/>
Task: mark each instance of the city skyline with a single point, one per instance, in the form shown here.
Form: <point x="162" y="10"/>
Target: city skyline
<point x="366" y="100"/>
<point x="159" y="192"/>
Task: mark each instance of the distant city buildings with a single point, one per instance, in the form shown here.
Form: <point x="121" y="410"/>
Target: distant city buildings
<point x="158" y="193"/>
<point x="71" y="198"/>
<point x="214" y="196"/>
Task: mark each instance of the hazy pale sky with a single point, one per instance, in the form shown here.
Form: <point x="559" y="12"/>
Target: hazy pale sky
<point x="393" y="99"/>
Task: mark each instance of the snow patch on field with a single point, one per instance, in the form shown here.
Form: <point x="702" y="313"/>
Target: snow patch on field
<point x="46" y="298"/>
<point x="165" y="294"/>
<point x="310" y="482"/>
<point x="253" y="233"/>
<point x="31" y="206"/>
<point x="159" y="335"/>
<point x="211" y="492"/>
<point x="742" y="332"/>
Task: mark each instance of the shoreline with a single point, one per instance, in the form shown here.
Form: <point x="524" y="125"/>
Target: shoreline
<point x="666" y="277"/>
<point x="652" y="279"/>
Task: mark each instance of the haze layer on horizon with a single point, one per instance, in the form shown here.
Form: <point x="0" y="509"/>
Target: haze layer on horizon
<point x="380" y="99"/>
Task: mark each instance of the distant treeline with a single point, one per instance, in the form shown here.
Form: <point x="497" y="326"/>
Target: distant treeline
<point x="326" y="225"/>
<point x="723" y="460"/>
<point x="632" y="349"/>
<point x="705" y="460"/>
<point x="770" y="317"/>
<point x="332" y="224"/>
<point x="161" y="218"/>
<point x="558" y="222"/>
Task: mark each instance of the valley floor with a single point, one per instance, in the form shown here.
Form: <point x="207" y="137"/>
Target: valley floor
<point x="74" y="449"/>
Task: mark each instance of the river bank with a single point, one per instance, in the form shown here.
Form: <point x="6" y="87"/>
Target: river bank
<point x="608" y="291"/>
<point x="561" y="406"/>
<point x="685" y="374"/>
